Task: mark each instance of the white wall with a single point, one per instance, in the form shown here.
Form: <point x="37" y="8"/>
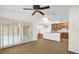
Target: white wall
<point x="74" y="29"/>
<point x="15" y="15"/>
<point x="35" y="31"/>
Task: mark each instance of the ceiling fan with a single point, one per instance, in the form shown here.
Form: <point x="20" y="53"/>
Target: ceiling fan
<point x="37" y="8"/>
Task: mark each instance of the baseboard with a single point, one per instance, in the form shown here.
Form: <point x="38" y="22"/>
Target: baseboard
<point x="17" y="44"/>
<point x="72" y="52"/>
<point x="51" y="40"/>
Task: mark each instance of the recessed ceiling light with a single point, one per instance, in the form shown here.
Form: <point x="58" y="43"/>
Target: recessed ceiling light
<point x="45" y="20"/>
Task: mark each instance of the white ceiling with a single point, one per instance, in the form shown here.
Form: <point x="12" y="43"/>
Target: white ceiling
<point x="16" y="12"/>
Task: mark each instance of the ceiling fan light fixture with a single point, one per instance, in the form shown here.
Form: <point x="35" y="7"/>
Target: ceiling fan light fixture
<point x="37" y="8"/>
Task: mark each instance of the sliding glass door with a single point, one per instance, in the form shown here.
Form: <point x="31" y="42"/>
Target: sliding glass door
<point x="5" y="35"/>
<point x="13" y="34"/>
<point x="16" y="35"/>
<point x="27" y="32"/>
<point x="10" y="34"/>
<point x="1" y="36"/>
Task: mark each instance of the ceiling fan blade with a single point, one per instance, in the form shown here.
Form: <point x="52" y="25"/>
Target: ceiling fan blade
<point x="27" y="9"/>
<point x="46" y="7"/>
<point x="33" y="12"/>
<point x="41" y="12"/>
